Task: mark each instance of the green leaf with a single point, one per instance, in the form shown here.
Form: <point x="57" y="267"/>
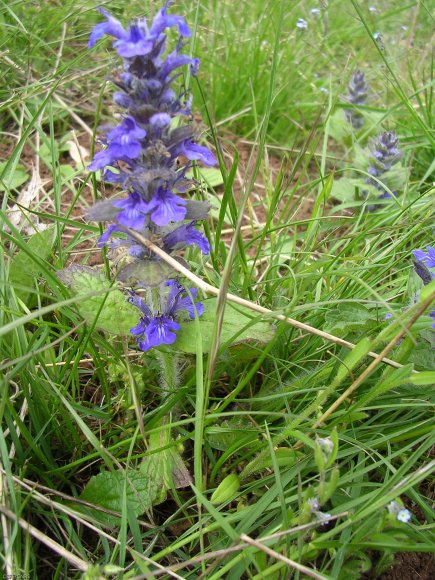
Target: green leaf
<point x="145" y="486"/>
<point x="226" y="490"/>
<point x="115" y="314"/>
<point x="13" y="180"/>
<point x="423" y="357"/>
<point x="24" y="269"/>
<point x="234" y="328"/>
<point x="352" y="359"/>
<point x="224" y="435"/>
<point x="395" y="179"/>
<point x="212" y="176"/>
<point x="339" y="127"/>
<point x="346" y="318"/>
<point x="423" y="378"/>
<point x="343" y="189"/>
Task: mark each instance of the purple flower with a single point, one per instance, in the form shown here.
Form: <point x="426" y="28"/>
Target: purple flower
<point x="123" y="143"/>
<point x="427" y="258"/>
<point x="134" y="211"/>
<point x="112" y="27"/>
<point x="194" y="152"/>
<point x="163" y="20"/>
<point x="177" y="302"/>
<point x="186" y="235"/>
<point x="175" y="60"/>
<point x="385" y="153"/>
<point x="134" y="43"/>
<point x="138" y="40"/>
<point x="168" y="207"/>
<point x="160" y="329"/>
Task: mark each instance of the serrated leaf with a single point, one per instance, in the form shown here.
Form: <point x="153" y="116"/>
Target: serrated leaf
<point x="345" y="318"/>
<point x="233" y="328"/>
<point x="116" y="315"/>
<point x="107" y="488"/>
<point x="23" y="269"/>
<point x="423" y="357"/>
<point x="13" y="180"/>
<point x="224" y="435"/>
<point x="145" y="486"/>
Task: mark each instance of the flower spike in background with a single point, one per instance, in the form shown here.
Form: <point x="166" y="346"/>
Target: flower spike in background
<point x="358" y="90"/>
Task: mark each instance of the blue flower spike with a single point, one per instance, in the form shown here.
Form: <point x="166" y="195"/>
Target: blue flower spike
<point x="148" y="153"/>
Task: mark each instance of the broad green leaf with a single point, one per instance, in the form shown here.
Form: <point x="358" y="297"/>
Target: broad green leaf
<point x="116" y="315"/>
<point x="145" y="486"/>
<point x="339" y="127"/>
<point x="24" y="269"/>
<point x="423" y="357"/>
<point x="346" y="318"/>
<point x="343" y="189"/>
<point x="229" y="431"/>
<point x="234" y="328"/>
<point x="13" y="180"/>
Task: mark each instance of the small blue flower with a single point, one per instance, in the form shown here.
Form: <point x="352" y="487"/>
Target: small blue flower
<point x="167" y="207"/>
<point x="134" y="211"/>
<point x="404" y="516"/>
<point x="112" y="27"/>
<point x="397" y="509"/>
<point x="138" y="40"/>
<point x="160" y="329"/>
<point x="186" y="235"/>
<point x="123" y="144"/>
<point x="134" y="43"/>
<point x="194" y="152"/>
<point x="302" y="24"/>
<point x="427" y="258"/>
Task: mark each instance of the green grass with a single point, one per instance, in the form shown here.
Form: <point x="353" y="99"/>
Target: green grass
<point x="76" y="401"/>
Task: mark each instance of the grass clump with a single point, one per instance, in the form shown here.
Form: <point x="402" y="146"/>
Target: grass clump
<point x="290" y="432"/>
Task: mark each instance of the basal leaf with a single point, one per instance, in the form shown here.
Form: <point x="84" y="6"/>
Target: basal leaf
<point x="239" y="325"/>
<point x="345" y="318"/>
<point x="343" y="189"/>
<point x="145" y="486"/>
<point x="116" y="315"/>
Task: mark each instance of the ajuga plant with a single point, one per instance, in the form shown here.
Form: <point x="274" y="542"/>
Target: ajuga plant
<point x="147" y="153"/>
<point x="384" y="153"/>
<point x="358" y="90"/>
